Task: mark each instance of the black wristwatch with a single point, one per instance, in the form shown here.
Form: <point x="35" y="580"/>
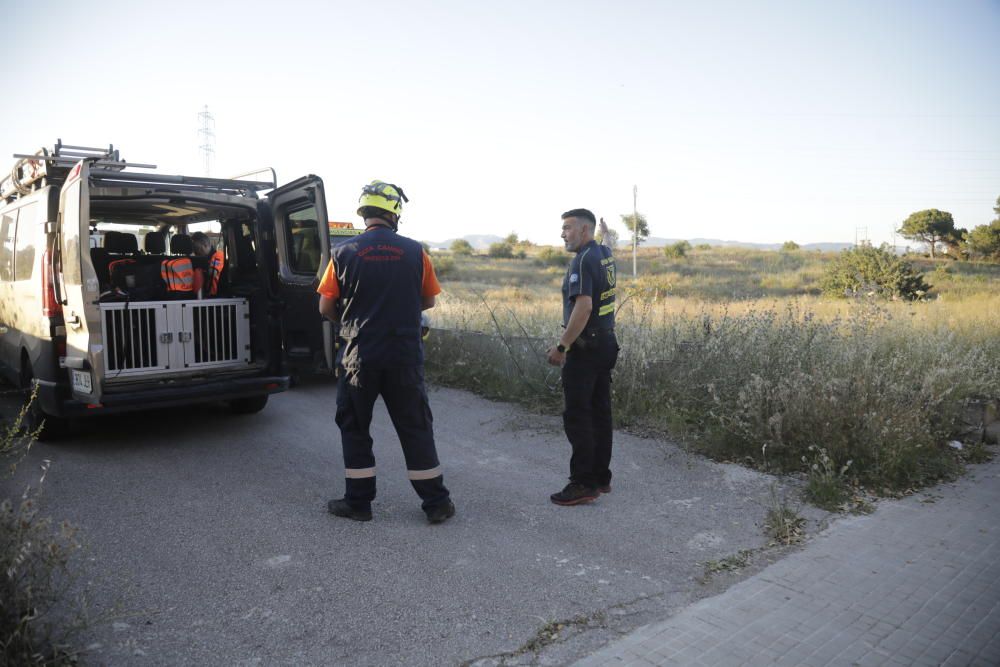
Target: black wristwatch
<point x="560" y="348"/>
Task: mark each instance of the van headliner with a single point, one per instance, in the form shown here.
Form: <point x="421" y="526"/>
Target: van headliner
<point x="172" y="208"/>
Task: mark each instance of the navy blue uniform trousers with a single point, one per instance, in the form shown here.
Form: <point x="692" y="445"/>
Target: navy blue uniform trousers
<point x="402" y="388"/>
<point x="586" y="380"/>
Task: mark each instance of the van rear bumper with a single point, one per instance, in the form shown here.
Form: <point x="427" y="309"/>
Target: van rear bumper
<point x="52" y="396"/>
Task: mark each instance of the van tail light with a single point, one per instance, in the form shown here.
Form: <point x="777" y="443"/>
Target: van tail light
<point x="50" y="305"/>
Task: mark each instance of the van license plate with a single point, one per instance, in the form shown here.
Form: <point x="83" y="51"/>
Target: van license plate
<point x="81" y="381"/>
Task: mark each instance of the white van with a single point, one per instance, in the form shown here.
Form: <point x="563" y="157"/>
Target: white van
<point x="88" y="314"/>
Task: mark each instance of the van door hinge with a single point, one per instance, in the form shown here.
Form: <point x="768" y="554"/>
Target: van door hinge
<point x="185" y="336"/>
<point x="166" y="338"/>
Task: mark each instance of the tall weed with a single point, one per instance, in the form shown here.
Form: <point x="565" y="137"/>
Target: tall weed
<point x="879" y="385"/>
<point x="34" y="568"/>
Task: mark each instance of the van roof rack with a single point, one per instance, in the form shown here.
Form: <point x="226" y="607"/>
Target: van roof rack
<point x="37" y="170"/>
<point x="196" y="183"/>
<point x="46" y="167"/>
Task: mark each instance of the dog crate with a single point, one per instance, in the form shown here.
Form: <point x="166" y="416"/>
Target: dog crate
<point x="163" y="337"/>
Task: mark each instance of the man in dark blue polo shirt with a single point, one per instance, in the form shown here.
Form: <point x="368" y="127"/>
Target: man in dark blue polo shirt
<point x="587" y="351"/>
<point x="377" y="284"/>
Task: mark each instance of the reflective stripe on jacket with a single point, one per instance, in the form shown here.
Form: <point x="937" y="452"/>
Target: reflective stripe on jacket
<point x="215" y="266"/>
<point x="178" y="274"/>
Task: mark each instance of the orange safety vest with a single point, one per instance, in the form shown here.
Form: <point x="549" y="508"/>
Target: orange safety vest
<point x="178" y="274"/>
<point x="215" y="266"/>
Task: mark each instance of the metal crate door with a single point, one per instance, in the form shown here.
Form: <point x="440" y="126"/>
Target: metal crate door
<point x="215" y="333"/>
<point x="136" y="338"/>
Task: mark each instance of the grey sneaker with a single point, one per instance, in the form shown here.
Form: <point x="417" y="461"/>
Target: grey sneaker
<point x="441" y="512"/>
<point x="342" y="508"/>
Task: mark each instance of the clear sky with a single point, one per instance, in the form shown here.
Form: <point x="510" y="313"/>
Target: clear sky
<point x="751" y="121"/>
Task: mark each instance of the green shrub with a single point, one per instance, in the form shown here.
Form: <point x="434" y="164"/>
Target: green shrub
<point x="790" y="246"/>
<point x="444" y="266"/>
<point x="676" y="250"/>
<point x="461" y="247"/>
<point x="501" y="249"/>
<point x="866" y="270"/>
<point x="549" y="256"/>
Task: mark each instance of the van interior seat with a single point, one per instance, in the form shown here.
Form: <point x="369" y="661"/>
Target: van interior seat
<point x="180" y="244"/>
<point x="121" y="242"/>
<point x="116" y="246"/>
<point x="155" y="243"/>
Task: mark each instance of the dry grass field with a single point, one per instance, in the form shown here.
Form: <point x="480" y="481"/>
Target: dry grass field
<point x="736" y="353"/>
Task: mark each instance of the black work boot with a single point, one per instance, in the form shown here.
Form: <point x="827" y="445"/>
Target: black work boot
<point x="441" y="512"/>
<point x="340" y="507"/>
<point x="575" y="494"/>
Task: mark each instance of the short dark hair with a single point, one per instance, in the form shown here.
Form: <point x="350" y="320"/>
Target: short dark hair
<point x="580" y="213"/>
<point x="201" y="239"/>
<point x="376" y="212"/>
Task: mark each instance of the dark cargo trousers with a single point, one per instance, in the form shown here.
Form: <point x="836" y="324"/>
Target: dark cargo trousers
<point x="402" y="389"/>
<point x="586" y="380"/>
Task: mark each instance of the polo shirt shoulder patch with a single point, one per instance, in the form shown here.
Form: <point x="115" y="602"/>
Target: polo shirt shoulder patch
<point x="574" y="278"/>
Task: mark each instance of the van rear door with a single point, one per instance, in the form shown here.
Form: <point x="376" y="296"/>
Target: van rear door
<point x="303" y="250"/>
<point x="78" y="286"/>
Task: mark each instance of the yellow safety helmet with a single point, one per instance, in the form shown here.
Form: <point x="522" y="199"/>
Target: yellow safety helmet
<point x="385" y="196"/>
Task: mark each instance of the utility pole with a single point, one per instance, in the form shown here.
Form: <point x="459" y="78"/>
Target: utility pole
<point x="635" y="229"/>
<point x="206" y="139"/>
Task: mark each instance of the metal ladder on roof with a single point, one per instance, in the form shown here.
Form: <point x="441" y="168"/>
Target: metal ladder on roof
<point x="45" y="166"/>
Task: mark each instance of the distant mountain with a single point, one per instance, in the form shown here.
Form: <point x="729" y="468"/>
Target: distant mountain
<point x="658" y="242"/>
<point x="483" y="241"/>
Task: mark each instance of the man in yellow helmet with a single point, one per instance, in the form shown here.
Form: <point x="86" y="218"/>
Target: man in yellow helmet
<point x="380" y="282"/>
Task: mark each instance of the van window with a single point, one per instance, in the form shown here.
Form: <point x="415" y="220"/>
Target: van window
<point x="303" y="241"/>
<point x="71" y="235"/>
<point x="8" y="228"/>
<point x="24" y="245"/>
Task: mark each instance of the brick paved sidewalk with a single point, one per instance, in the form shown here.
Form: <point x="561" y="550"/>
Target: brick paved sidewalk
<point x="915" y="583"/>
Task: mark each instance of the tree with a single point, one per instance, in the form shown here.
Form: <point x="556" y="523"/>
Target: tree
<point x="789" y="246"/>
<point x="511" y="239"/>
<point x="875" y="271"/>
<point x="629" y="220"/>
<point x="984" y="241"/>
<point x="931" y="227"/>
<point x="461" y="247"/>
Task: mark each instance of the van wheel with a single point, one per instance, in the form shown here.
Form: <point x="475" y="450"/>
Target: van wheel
<point x="249" y="405"/>
<point x="36" y="420"/>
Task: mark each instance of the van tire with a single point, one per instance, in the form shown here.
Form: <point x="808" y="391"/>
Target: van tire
<point x="36" y="420"/>
<point x="248" y="405"/>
